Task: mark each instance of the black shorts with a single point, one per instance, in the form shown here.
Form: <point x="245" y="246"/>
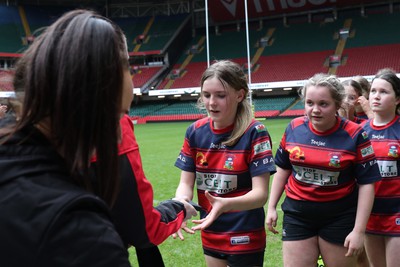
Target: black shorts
<point x="332" y="221"/>
<point x="238" y="260"/>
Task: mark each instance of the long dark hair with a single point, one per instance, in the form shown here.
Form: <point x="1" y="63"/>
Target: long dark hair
<point x="73" y="79"/>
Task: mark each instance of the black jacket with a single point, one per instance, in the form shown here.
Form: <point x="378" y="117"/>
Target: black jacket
<point x="45" y="219"/>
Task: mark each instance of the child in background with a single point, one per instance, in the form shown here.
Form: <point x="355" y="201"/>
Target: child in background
<point x="383" y="228"/>
<point x="327" y="168"/>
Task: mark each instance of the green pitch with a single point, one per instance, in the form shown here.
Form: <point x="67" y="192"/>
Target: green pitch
<point x="159" y="145"/>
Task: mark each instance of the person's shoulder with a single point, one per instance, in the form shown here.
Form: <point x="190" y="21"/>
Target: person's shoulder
<point x="351" y="127"/>
<point x="201" y="122"/>
<point x="296" y="122"/>
<point x="257" y="127"/>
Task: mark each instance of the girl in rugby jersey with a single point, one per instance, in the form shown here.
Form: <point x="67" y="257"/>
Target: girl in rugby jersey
<point x="383" y="228"/>
<point x="363" y="110"/>
<point x="325" y="164"/>
<point x="228" y="156"/>
<point x="350" y="104"/>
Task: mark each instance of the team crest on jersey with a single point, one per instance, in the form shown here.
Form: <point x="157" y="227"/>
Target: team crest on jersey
<point x="393" y="150"/>
<point x="260" y="128"/>
<point x="229" y="162"/>
<point x="364" y="135"/>
<point x="296" y="154"/>
<point x="201" y="160"/>
<point x="335" y="160"/>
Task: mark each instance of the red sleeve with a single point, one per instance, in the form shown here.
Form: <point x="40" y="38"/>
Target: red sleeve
<point x="138" y="222"/>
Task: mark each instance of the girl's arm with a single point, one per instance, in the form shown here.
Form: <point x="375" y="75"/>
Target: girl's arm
<point x="278" y="185"/>
<point x="355" y="240"/>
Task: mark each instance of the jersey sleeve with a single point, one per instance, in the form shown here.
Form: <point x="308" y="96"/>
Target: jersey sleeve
<point x="366" y="167"/>
<point x="185" y="160"/>
<point x="282" y="155"/>
<point x="261" y="158"/>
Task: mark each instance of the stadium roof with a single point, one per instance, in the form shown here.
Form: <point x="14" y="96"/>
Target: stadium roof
<point x="220" y="10"/>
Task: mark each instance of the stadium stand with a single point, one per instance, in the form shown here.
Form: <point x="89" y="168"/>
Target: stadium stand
<point x="6" y="77"/>
<point x="11" y="30"/>
<point x="359" y="40"/>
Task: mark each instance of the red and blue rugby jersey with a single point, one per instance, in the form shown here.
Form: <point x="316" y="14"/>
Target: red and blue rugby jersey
<point x="385" y="215"/>
<point x="326" y="166"/>
<point x="227" y="171"/>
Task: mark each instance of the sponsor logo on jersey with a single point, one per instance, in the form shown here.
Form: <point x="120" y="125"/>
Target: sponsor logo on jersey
<point x="397" y="221"/>
<point x="335" y="160"/>
<point x="217" y="146"/>
<point x="260" y="128"/>
<point x="367" y="151"/>
<point x="393" y="150"/>
<point x="229" y="162"/>
<point x="317" y="143"/>
<point x="388" y="168"/>
<point x="377" y="136"/>
<point x="240" y="240"/>
<point x="296" y="154"/>
<point x="316" y="176"/>
<point x="262" y="147"/>
<point x="216" y="182"/>
<point x="201" y="160"/>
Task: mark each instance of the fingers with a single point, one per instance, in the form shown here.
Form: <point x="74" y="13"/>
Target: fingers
<point x="180" y="235"/>
<point x="271" y="227"/>
<point x="188" y="230"/>
<point x="201" y="225"/>
<point x="352" y="252"/>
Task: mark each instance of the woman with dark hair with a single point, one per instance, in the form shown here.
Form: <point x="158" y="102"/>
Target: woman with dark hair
<point x="75" y="85"/>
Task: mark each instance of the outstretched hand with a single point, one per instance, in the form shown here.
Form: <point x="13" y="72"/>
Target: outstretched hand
<point x="219" y="206"/>
<point x="179" y="233"/>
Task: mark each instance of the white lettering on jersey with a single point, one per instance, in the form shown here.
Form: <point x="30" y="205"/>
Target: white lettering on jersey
<point x="317" y="143"/>
<point x="182" y="158"/>
<point x="377" y="136"/>
<point x="388" y="168"/>
<point x="216" y="182"/>
<point x="316" y="176"/>
<point x="217" y="146"/>
<point x="268" y="160"/>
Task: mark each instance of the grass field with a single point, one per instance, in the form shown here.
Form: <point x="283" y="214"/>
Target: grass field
<point x="160" y="144"/>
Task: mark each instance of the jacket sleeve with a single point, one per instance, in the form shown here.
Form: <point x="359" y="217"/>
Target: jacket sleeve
<point x="138" y="222"/>
<point x="82" y="234"/>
